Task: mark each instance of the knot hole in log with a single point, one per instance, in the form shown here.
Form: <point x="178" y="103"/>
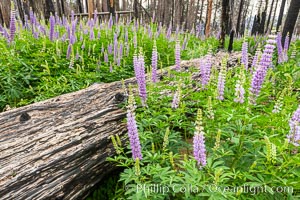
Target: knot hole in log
<point x="24" y="117"/>
<point x="119" y="97"/>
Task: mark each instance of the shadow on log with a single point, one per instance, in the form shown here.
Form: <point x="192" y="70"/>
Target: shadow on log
<point x="57" y="149"/>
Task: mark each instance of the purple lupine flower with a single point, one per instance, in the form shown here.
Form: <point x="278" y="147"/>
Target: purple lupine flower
<point x="294" y="135"/>
<point x="69" y="51"/>
<point x="109" y="48"/>
<point x="245" y="54"/>
<point x="77" y="54"/>
<point x="95" y="16"/>
<point x="126" y="36"/>
<point x="169" y="31"/>
<point x="132" y="130"/>
<point x="222" y="79"/>
<point x="141" y="78"/>
<point x="279" y="48"/>
<point x="135" y="64"/>
<point x="184" y="43"/>
<point x="32" y="17"/>
<point x="176" y="100"/>
<point x="177" y="55"/>
<point x="121" y="50"/>
<point x="115" y="47"/>
<point x="92" y="34"/>
<point x="254" y="62"/>
<point x="205" y="68"/>
<point x="154" y="63"/>
<point x="135" y="40"/>
<point x="260" y="73"/>
<point x="12" y="26"/>
<point x="199" y="142"/>
<point x="72" y="15"/>
<point x="110" y="22"/>
<point x="199" y="149"/>
<point x="153" y="17"/>
<point x="119" y="62"/>
<point x="27" y="26"/>
<point x="36" y="34"/>
<point x="110" y="68"/>
<point x="106" y="57"/>
<point x="139" y="71"/>
<point x="286" y="47"/>
<point x="99" y="35"/>
<point x="52" y="27"/>
<point x="239" y="89"/>
<point x="127" y="49"/>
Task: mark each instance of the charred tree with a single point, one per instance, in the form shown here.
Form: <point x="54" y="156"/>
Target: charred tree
<point x="269" y="17"/>
<point x="49" y="9"/>
<point x="136" y="9"/>
<point x="79" y="5"/>
<point x="230" y="46"/>
<point x="208" y="18"/>
<point x="21" y="11"/>
<point x="5" y="11"/>
<point x="279" y="21"/>
<point x="224" y="22"/>
<point x="291" y="19"/>
<point x="275" y="11"/>
<point x="239" y="17"/>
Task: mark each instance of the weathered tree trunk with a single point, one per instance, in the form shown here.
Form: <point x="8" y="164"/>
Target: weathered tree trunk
<point x="197" y="11"/>
<point x="90" y="8"/>
<point x="230" y="46"/>
<point x="178" y="12"/>
<point x="215" y="14"/>
<point x="291" y="19"/>
<point x="275" y="11"/>
<point x="49" y="9"/>
<point x="5" y="11"/>
<point x="191" y="14"/>
<point x="201" y="11"/>
<point x="63" y="7"/>
<point x="57" y="148"/>
<point x="269" y="17"/>
<point x="124" y="5"/>
<point x="59" y="11"/>
<point x="208" y="18"/>
<point x="21" y="11"/>
<point x="279" y="21"/>
<point x="239" y="17"/>
<point x="224" y="22"/>
<point x="79" y="6"/>
<point x="136" y="9"/>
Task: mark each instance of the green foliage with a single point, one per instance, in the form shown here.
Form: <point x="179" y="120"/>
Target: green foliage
<point x="252" y="159"/>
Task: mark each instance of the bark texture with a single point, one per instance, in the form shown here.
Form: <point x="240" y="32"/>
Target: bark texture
<point x="57" y="148"/>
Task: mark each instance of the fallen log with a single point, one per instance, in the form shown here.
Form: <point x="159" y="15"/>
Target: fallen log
<point x="57" y="149"/>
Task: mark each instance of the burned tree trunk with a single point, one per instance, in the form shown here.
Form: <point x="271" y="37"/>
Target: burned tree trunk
<point x="57" y="148"/>
<point x="224" y="22"/>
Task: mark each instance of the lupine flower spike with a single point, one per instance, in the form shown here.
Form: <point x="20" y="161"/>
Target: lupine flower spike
<point x="294" y="135"/>
<point x="239" y="88"/>
<point x="260" y="73"/>
<point x="198" y="142"/>
<point x="154" y="63"/>
<point x="222" y="79"/>
<point x="245" y="53"/>
<point x="177" y="55"/>
<point x="132" y="128"/>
